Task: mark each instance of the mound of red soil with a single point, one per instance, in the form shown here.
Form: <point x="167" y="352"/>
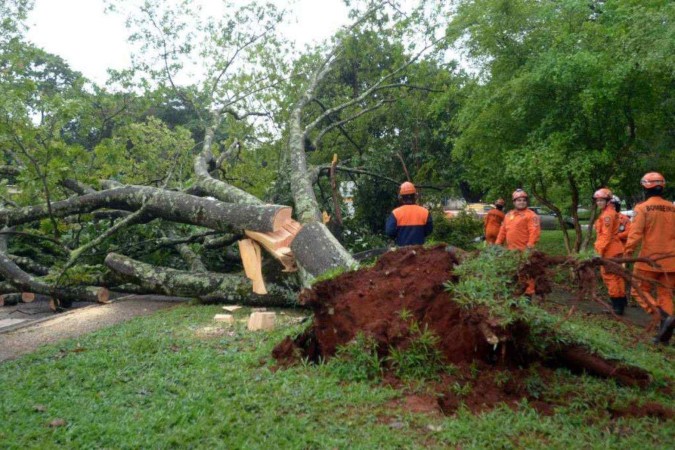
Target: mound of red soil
<point x="405" y="286"/>
<point x="405" y="292"/>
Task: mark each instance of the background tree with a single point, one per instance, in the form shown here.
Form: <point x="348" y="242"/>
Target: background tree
<point x="571" y="97"/>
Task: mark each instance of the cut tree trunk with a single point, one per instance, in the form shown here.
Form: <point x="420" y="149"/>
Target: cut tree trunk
<point x="317" y="251"/>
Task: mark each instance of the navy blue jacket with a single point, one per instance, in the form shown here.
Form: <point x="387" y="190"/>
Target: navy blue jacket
<point x="409" y="225"/>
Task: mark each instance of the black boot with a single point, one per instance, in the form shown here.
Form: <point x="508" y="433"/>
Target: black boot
<point x="666" y="330"/>
<point x="618" y="305"/>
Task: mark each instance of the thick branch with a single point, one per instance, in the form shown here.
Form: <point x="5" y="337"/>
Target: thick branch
<point x="29" y="265"/>
<point x="208" y="286"/>
<point x="23" y="281"/>
<point x="217" y="188"/>
<point x="168" y="205"/>
<point x="77" y="187"/>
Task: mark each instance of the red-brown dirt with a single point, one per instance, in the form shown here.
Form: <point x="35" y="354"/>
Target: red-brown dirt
<point x="373" y="302"/>
<point x="406" y="287"/>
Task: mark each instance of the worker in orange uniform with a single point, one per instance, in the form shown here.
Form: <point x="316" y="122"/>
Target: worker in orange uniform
<point x="520" y="229"/>
<point x="624" y="220"/>
<point x="608" y="245"/>
<point x="493" y="221"/>
<point x="654" y="226"/>
<point x="409" y="224"/>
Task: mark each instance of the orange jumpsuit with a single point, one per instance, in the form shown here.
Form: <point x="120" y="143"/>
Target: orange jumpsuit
<point x="521" y="230"/>
<point x="624" y="228"/>
<point x="654" y="226"/>
<point x="608" y="245"/>
<point x="491" y="224"/>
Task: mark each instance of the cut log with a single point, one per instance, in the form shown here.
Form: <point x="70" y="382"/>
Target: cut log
<point x="251" y="258"/>
<point x="317" y="251"/>
<point x="208" y="286"/>
<point x="103" y="296"/>
<point x="225" y="318"/>
<point x="27" y="297"/>
<point x="278" y="243"/>
<point x="261" y="321"/>
<point x="231" y="308"/>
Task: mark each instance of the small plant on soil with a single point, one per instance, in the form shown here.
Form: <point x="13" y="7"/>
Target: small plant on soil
<point x="502" y="377"/>
<point x="421" y="358"/>
<point x="358" y="360"/>
<point x="534" y="385"/>
<point x="461" y="390"/>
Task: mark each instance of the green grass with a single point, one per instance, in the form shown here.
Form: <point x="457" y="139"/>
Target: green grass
<point x="158" y="382"/>
<point x="551" y="242"/>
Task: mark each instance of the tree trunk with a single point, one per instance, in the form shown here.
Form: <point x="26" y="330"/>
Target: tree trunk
<point x="317" y="251"/>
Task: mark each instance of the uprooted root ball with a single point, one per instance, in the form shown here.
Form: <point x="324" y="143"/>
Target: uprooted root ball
<point x="401" y="304"/>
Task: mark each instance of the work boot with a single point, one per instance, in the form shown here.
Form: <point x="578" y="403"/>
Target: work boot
<point x="618" y="305"/>
<point x="665" y="330"/>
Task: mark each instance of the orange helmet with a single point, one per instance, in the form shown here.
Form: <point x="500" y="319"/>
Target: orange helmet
<point x="518" y="193"/>
<point x="500" y="202"/>
<point x="652" y="179"/>
<point x="407" y="188"/>
<point x="603" y="193"/>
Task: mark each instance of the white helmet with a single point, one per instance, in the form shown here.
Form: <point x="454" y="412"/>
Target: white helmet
<point x="615" y="199"/>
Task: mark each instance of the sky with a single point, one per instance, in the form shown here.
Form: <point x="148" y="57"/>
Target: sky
<point x="91" y="41"/>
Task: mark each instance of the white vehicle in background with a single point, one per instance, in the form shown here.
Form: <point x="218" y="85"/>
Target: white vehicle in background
<point x="630" y="213"/>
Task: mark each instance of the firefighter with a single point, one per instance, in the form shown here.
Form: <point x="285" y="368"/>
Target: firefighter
<point x="493" y="221"/>
<point x="409" y="224"/>
<point x="520" y="229"/>
<point x="624" y="220"/>
<point x="654" y="226"/>
<point x="608" y="245"/>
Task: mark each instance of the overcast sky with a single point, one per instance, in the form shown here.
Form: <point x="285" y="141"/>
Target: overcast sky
<point x="91" y="41"/>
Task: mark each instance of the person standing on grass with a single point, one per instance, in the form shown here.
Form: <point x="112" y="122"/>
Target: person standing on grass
<point x="654" y="226"/>
<point x="521" y="230"/>
<point x="608" y="245"/>
<point x="493" y="221"/>
<point x="409" y="224"/>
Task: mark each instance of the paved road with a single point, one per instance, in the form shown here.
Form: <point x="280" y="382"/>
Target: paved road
<point x="26" y="327"/>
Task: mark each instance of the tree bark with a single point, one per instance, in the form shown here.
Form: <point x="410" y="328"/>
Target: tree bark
<point x="216" y="188"/>
<point x="168" y="205"/>
<point x="29" y="265"/>
<point x="317" y="251"/>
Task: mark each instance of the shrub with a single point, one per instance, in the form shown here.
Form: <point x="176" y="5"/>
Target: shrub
<point x="460" y="231"/>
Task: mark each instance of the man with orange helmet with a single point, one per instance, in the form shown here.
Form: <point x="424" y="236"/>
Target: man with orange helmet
<point x="654" y="226"/>
<point x="409" y="224"/>
<point x="493" y="221"/>
<point x="608" y="245"/>
<point x="520" y="229"/>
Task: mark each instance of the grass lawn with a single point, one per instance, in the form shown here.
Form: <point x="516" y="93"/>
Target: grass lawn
<point x="551" y="242"/>
<point x="177" y="379"/>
